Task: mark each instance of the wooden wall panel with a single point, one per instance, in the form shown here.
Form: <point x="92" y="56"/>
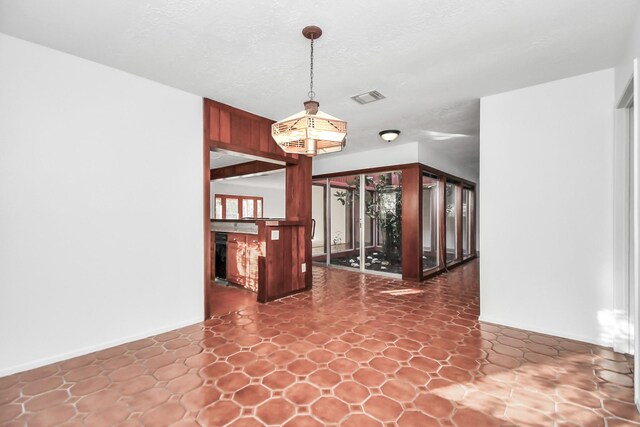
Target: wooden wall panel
<point x="305" y="256"/>
<point x="298" y="204"/>
<point x="254" y="142"/>
<point x="214" y="123"/>
<point x="412" y="223"/>
<point x="206" y="207"/>
<point x="225" y="126"/>
<point x="236" y="130"/>
<point x="279" y="270"/>
<point x="240" y="130"/>
<point x="265" y="136"/>
<point x="229" y="129"/>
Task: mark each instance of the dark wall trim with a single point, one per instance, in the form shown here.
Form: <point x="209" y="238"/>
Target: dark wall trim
<point x="424" y="168"/>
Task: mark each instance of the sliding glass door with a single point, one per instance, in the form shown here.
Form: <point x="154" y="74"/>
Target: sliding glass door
<point x="383" y="207"/>
<point x="468" y="211"/>
<point x="362" y="217"/>
<point x="465" y="223"/>
<point x="430" y="223"/>
<point x="344" y="195"/>
<point x="451" y="222"/>
<point x="357" y="221"/>
<point x="318" y="220"/>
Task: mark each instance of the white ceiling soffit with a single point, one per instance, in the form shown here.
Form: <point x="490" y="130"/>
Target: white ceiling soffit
<point x="432" y="59"/>
<point x="273" y="179"/>
<point x="220" y="160"/>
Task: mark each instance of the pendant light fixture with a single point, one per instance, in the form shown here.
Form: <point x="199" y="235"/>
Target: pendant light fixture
<point x="310" y="131"/>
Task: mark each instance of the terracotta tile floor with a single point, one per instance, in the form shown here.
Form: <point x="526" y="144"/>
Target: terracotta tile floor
<point x="354" y="352"/>
<point x="226" y="298"/>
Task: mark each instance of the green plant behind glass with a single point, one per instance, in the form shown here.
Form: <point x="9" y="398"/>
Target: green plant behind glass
<point x="383" y="204"/>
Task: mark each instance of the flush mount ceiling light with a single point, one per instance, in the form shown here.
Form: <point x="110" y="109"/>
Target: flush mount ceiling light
<point x="311" y="131"/>
<point x="389" y="135"/>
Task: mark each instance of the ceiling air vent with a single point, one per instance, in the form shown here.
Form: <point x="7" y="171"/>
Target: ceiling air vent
<point x="368" y="97"/>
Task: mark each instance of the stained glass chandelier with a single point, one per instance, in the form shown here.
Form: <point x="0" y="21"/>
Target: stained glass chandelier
<point x="310" y="131"/>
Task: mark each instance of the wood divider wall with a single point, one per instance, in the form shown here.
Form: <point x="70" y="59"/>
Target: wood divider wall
<point x="229" y="129"/>
<point x="279" y="271"/>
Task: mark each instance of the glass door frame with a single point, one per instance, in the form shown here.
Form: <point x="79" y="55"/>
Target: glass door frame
<point x="471" y="224"/>
<point x="411" y="220"/>
<point x="358" y="228"/>
<point x="457" y="226"/>
<point x="459" y="184"/>
<point x="436" y="217"/>
<point x="316" y="183"/>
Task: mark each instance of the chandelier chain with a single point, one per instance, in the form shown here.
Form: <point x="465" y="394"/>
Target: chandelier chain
<point x="311" y="93"/>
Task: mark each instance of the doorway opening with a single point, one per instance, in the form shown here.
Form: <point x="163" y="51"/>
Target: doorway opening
<point x="625" y="224"/>
<point x="243" y="190"/>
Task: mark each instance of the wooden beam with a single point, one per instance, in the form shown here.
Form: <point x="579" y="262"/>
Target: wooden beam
<point x="244" y="169"/>
<point x="251" y="153"/>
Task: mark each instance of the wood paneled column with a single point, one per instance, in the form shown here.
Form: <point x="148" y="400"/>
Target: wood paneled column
<point x="412" y="223"/>
<point x="298" y="204"/>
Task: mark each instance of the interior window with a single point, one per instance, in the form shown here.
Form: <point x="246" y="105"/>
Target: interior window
<point x="237" y="207"/>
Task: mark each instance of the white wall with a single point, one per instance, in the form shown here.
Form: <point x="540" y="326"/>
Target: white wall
<point x="626" y="293"/>
<point x="100" y="206"/>
<point x="271" y="187"/>
<point x="546" y="207"/>
<point x="388" y="155"/>
<point x="437" y="160"/>
<point x="626" y="285"/>
<point x="624" y="69"/>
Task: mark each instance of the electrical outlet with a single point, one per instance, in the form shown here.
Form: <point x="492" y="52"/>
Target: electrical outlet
<point x="304" y="267"/>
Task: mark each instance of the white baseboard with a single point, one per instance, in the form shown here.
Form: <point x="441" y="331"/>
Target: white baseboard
<point x="90" y="349"/>
<point x="555" y="333"/>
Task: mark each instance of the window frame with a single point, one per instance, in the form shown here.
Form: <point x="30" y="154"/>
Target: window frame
<point x="223" y="198"/>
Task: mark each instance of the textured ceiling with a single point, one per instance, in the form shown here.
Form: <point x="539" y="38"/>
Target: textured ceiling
<point x="432" y="59"/>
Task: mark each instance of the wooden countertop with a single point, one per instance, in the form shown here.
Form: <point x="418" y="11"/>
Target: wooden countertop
<point x="273" y="222"/>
